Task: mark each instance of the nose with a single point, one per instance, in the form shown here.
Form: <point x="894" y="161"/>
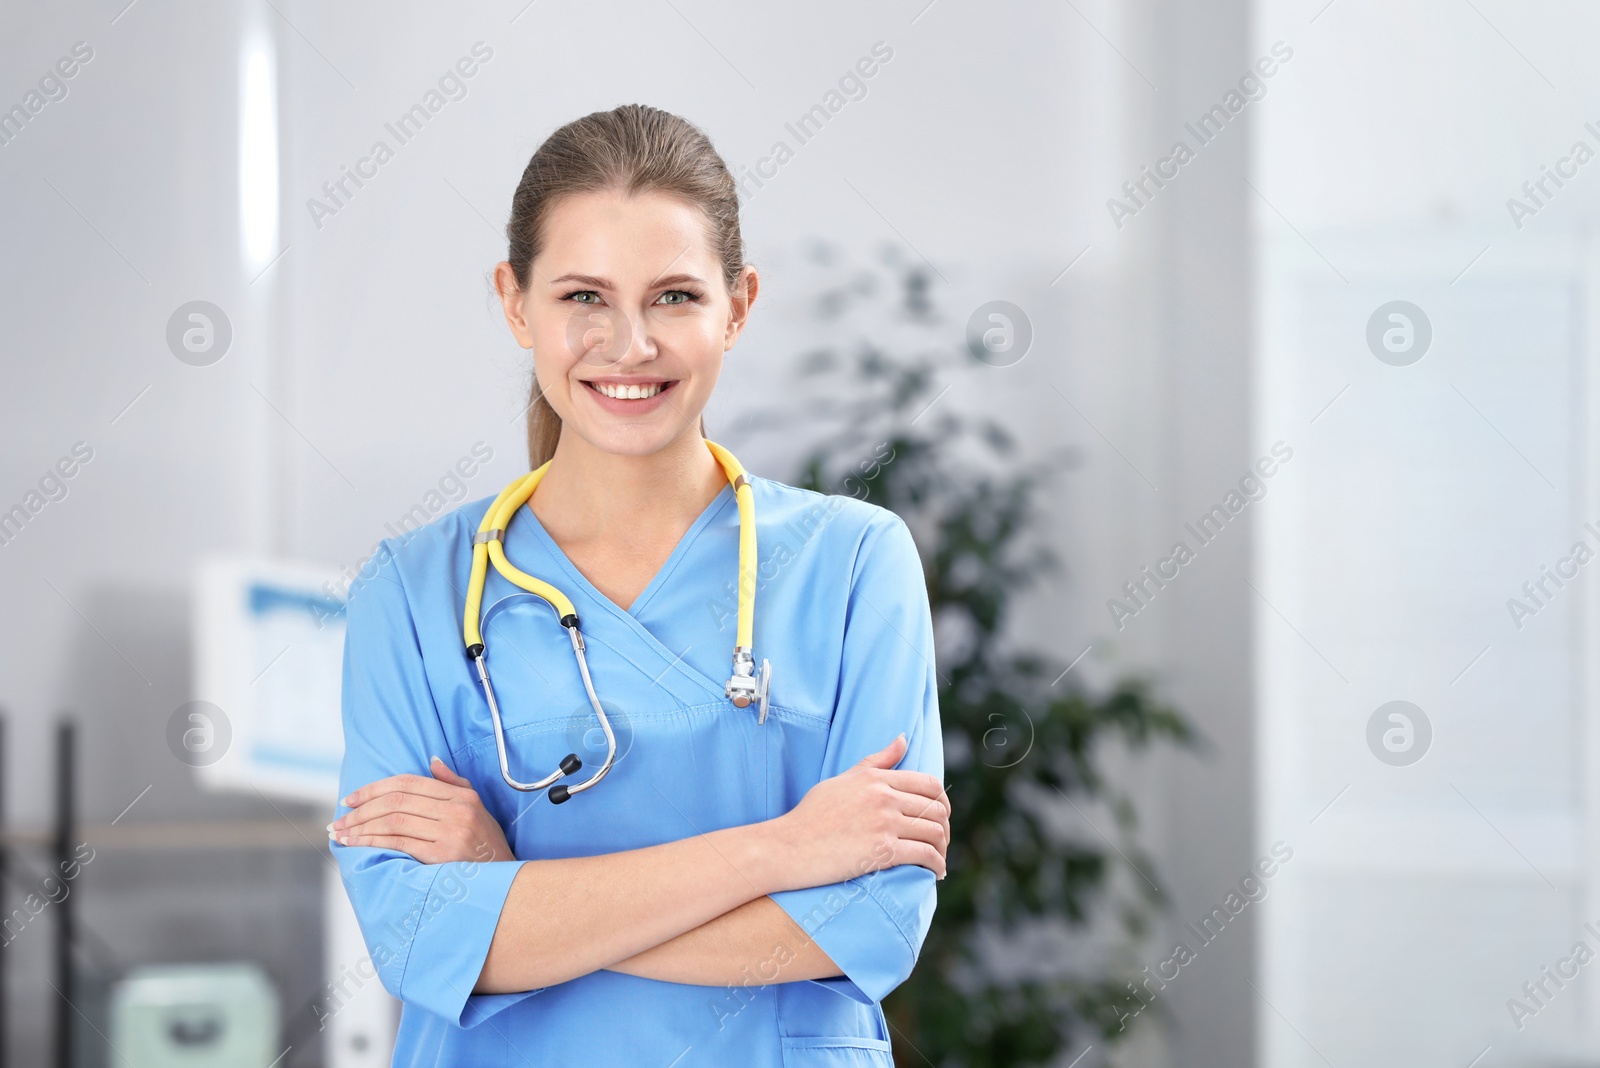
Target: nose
<point x="608" y="337"/>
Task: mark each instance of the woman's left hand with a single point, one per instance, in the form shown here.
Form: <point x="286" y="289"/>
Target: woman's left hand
<point x="434" y="820"/>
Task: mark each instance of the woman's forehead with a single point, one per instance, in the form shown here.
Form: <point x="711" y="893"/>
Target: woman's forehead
<point x="626" y="239"/>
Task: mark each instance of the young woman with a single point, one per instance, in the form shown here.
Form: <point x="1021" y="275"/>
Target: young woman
<point x="747" y="877"/>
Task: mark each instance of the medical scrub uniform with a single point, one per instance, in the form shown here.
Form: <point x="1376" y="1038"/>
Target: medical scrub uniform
<point x="841" y="612"/>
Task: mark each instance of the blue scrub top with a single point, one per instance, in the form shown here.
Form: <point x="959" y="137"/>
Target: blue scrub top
<point x="841" y="612"/>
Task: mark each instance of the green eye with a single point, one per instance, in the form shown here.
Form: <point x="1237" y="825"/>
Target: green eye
<point x="587" y="296"/>
<point x="676" y="296"/>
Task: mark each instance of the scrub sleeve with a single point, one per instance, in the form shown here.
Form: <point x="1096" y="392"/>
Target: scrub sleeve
<point x="427" y="926"/>
<point x="873" y="926"/>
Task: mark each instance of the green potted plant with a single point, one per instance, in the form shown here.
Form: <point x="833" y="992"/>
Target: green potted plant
<point x="1018" y="728"/>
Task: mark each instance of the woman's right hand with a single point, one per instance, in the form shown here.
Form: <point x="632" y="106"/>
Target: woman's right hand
<point x="871" y="817"/>
<point x="434" y="820"/>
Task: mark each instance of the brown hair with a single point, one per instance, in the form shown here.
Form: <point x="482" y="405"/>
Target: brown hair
<point x="634" y="148"/>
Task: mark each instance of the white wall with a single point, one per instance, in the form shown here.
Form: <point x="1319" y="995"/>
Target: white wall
<point x="1423" y="897"/>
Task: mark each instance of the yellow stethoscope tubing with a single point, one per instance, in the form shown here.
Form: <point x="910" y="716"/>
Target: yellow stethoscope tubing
<point x="488" y="547"/>
<point x="516" y="494"/>
<point x="745" y="496"/>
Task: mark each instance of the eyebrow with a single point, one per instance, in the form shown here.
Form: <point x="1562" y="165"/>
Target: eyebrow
<point x="601" y="283"/>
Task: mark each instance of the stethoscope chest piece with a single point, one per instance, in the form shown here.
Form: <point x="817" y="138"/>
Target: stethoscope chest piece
<point x="745" y="687"/>
<point x="766" y="688"/>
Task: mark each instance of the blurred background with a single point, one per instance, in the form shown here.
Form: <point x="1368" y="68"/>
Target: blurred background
<point x="1283" y="309"/>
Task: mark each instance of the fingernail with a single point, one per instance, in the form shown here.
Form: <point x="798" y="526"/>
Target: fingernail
<point x="345" y="840"/>
<point x="347" y="802"/>
<point x="435" y="760"/>
<point x="330" y="830"/>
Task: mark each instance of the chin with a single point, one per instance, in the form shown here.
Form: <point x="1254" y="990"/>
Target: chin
<point x="624" y="440"/>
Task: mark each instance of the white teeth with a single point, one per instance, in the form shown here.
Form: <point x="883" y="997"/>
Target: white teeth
<point x="628" y="392"/>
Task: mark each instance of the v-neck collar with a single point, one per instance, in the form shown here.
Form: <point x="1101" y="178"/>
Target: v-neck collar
<point x="672" y="671"/>
<point x="525" y="515"/>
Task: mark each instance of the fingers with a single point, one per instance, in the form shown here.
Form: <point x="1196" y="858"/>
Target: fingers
<point x="442" y="772"/>
<point x="421" y="785"/>
<point x="923" y="854"/>
<point x="922" y="795"/>
<point x="917" y="807"/>
<point x="415" y="847"/>
<point x="422" y="817"/>
<point x="930" y="818"/>
<point x="888" y="755"/>
<point x="924" y="830"/>
<point x="917" y="782"/>
<point x="425" y="851"/>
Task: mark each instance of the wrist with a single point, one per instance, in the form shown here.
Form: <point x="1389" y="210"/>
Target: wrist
<point x="762" y="853"/>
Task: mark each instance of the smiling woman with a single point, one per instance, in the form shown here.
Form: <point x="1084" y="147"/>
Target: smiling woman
<point x="753" y="876"/>
<point x="677" y="195"/>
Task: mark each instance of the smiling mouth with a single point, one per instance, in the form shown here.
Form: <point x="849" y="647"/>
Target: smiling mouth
<point x="632" y="391"/>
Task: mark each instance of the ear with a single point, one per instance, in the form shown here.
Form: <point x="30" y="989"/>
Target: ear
<point x="512" y="299"/>
<point x="742" y="298"/>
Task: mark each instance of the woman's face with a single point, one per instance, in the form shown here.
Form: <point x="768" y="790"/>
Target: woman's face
<point x="628" y="317"/>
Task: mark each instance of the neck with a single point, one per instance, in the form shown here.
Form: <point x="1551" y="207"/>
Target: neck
<point x="589" y="494"/>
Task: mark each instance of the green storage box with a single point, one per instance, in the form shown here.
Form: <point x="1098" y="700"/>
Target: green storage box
<point x="195" y="1016"/>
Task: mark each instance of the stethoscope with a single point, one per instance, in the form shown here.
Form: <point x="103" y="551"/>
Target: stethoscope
<point x="488" y="544"/>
